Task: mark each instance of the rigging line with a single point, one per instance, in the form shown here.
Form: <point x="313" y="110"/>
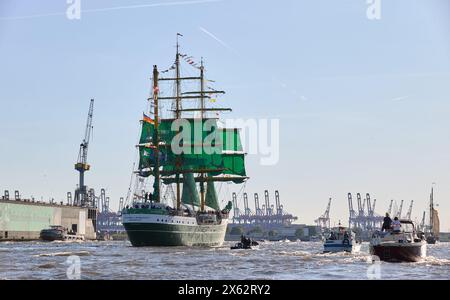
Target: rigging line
<point x="136" y="156"/>
<point x="131" y="183"/>
<point x="220" y="187"/>
<point x="241" y="190"/>
<point x="227" y="192"/>
<point x="220" y="190"/>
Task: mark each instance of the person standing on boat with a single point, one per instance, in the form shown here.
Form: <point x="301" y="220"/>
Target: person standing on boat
<point x="396" y="225"/>
<point x="332" y="236"/>
<point x="387" y="223"/>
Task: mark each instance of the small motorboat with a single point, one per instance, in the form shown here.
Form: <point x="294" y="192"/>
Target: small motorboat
<point x="245" y="243"/>
<point x="104" y="236"/>
<point x="54" y="233"/>
<point x="399" y="246"/>
<point x="59" y="233"/>
<point x="341" y="239"/>
<point x="240" y="246"/>
<point x="431" y="239"/>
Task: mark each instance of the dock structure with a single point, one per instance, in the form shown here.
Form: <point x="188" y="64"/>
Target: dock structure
<point x="266" y="215"/>
<point x="23" y="218"/>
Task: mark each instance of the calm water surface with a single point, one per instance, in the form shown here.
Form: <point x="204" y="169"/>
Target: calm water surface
<point x="273" y="260"/>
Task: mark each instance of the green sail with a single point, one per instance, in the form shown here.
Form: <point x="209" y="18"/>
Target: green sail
<point x="147" y="132"/>
<point x="234" y="164"/>
<point x="145" y="158"/>
<point x="190" y="194"/>
<point x="195" y="154"/>
<point x="146" y="155"/>
<point x="231" y="139"/>
<point x="211" y="196"/>
<point x="223" y="156"/>
<point x="232" y="156"/>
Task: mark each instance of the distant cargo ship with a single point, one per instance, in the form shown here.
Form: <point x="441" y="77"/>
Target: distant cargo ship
<point x="23" y="220"/>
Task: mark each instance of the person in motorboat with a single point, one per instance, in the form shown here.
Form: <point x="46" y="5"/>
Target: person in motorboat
<point x="332" y="236"/>
<point x="346" y="235"/>
<point x="246" y="243"/>
<point x="402" y="244"/>
<point x="387" y="223"/>
<point x="396" y="225"/>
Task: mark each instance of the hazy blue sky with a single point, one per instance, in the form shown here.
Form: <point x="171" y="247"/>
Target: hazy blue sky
<point x="363" y="104"/>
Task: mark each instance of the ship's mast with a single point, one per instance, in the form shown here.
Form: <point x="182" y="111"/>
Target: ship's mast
<point x="178" y="110"/>
<point x="202" y="114"/>
<point x="178" y="82"/>
<point x="178" y="113"/>
<point x="156" y="142"/>
<point x="431" y="209"/>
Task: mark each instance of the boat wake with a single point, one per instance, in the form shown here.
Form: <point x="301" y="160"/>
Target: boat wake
<point x="295" y="253"/>
<point x="434" y="261"/>
<point x="47" y="266"/>
<point x="79" y="253"/>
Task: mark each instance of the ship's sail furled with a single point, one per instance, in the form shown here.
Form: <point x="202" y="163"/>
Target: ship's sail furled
<point x="211" y="196"/>
<point x="146" y="157"/>
<point x="190" y="193"/>
<point x="436" y="223"/>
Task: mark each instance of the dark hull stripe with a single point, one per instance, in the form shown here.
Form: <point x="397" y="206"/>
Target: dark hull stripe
<point x="145" y="234"/>
<point x="399" y="253"/>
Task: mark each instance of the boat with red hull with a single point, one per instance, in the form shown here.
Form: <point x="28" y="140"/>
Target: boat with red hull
<point x="402" y="246"/>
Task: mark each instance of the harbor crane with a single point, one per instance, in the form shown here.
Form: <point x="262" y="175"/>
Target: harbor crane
<point x="269" y="207"/>
<point x="361" y="218"/>
<point x="422" y="223"/>
<point x="108" y="221"/>
<point x="408" y="214"/>
<point x="247" y="211"/>
<point x="120" y="205"/>
<point x="399" y="212"/>
<point x="352" y="213"/>
<point x="236" y="211"/>
<point x="390" y="207"/>
<point x="257" y="209"/>
<point x="364" y="220"/>
<point x="370" y="212"/>
<point x="267" y="215"/>
<point x="324" y="220"/>
<point x="81" y="194"/>
<point x="279" y="207"/>
<point x="369" y="206"/>
<point x="360" y="205"/>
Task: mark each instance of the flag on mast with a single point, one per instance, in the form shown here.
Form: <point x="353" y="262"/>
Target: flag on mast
<point x="147" y="119"/>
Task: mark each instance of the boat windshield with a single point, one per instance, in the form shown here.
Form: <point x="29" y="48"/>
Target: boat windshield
<point x="407" y="227"/>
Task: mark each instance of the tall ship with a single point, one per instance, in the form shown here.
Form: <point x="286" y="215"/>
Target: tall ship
<point x="184" y="152"/>
<point x="432" y="235"/>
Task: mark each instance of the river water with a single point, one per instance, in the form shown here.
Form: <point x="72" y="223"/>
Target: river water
<point x="272" y="260"/>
